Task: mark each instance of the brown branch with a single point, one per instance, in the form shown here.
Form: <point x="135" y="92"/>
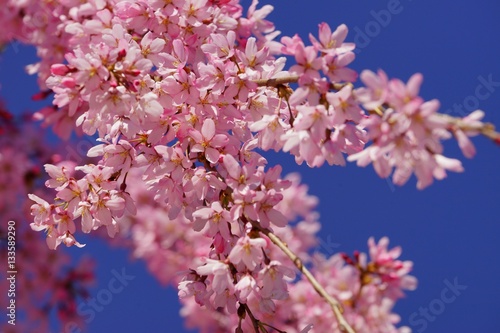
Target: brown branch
<point x="255" y="321"/>
<point x="277" y="81"/>
<point x="486" y="129"/>
<point x="293" y="79"/>
<point x="334" y="304"/>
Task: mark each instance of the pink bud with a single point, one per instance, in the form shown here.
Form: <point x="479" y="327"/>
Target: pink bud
<point x="68" y="82"/>
<point x="121" y="55"/>
<point x="59" y="69"/>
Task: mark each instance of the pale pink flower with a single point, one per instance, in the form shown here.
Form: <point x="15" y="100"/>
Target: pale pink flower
<point x="197" y="11"/>
<point x="75" y="192"/>
<point x="266" y="211"/>
<point x="240" y="86"/>
<point x="60" y="176"/>
<point x="149" y="108"/>
<point x="405" y="97"/>
<point x="253" y="57"/>
<point x="120" y="156"/>
<point x="98" y="176"/>
<point x="221" y="280"/>
<point x="105" y="205"/>
<point x="64" y="222"/>
<point x="335" y="67"/>
<point x="222" y="47"/>
<point x="344" y="106"/>
<point x="291" y="44"/>
<point x="249" y="251"/>
<point x="203" y="183"/>
<point x="245" y="286"/>
<point x="174" y="61"/>
<point x="41" y="210"/>
<point x="392" y="272"/>
<point x="181" y="87"/>
<point x="273" y="282"/>
<point x="207" y="141"/>
<point x="211" y="220"/>
<point x="211" y="77"/>
<point x="376" y="91"/>
<point x="315" y="119"/>
<point x="54" y="239"/>
<point x="240" y="177"/>
<point x="332" y="42"/>
<point x="151" y="47"/>
<point x="90" y="70"/>
<point x="193" y="288"/>
<point x="465" y="144"/>
<point x="83" y="211"/>
<point x="308" y="63"/>
<point x="303" y="147"/>
<point x="256" y="18"/>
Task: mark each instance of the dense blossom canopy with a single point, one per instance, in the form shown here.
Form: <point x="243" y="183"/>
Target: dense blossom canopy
<point x="183" y="95"/>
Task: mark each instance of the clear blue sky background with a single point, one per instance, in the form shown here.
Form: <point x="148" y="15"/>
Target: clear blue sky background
<point x="450" y="230"/>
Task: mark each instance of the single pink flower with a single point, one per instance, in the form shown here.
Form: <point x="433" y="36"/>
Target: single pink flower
<point x="376" y="91"/>
<point x="249" y="251"/>
<point x="332" y="42"/>
<point x="207" y="141"/>
<point x="211" y="220"/>
<point x="245" y="286"/>
<point x="41" y="210"/>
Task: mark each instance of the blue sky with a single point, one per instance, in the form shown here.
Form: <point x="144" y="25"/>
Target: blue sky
<point x="451" y="231"/>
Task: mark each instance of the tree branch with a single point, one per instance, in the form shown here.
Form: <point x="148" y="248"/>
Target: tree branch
<point x="486" y="129"/>
<point x="255" y="321"/>
<point x="334" y="304"/>
<point x="277" y="81"/>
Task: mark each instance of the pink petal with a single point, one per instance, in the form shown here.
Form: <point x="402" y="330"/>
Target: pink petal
<point x="325" y="33"/>
<point x="340" y="34"/>
<point x="449" y="163"/>
<point x="232" y="166"/>
<point x="414" y="84"/>
<point x="157" y="45"/>
<point x="219" y="140"/>
<point x="465" y="144"/>
<point x="203" y="213"/>
<point x="212" y="155"/>
<point x="208" y="129"/>
<point x="277" y="218"/>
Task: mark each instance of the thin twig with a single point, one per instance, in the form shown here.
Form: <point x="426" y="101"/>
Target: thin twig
<point x="336" y="307"/>
<point x="276" y="81"/>
<point x="255" y="321"/>
<point x="486" y="129"/>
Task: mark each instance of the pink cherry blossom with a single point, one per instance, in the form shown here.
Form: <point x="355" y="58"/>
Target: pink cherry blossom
<point x="332" y="42"/>
<point x="41" y="210"/>
<point x="207" y="141"/>
<point x="248" y="251"/>
<point x="212" y="220"/>
<point x="376" y="91"/>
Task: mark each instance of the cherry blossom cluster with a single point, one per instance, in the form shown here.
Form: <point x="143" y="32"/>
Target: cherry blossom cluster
<point x="367" y="291"/>
<point x="406" y="131"/>
<point x="47" y="282"/>
<point x="330" y="118"/>
<point x="367" y="286"/>
<point x="182" y="94"/>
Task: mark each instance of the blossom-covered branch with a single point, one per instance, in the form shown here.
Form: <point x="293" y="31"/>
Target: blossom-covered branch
<point x="336" y="307"/>
<point x="183" y="95"/>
